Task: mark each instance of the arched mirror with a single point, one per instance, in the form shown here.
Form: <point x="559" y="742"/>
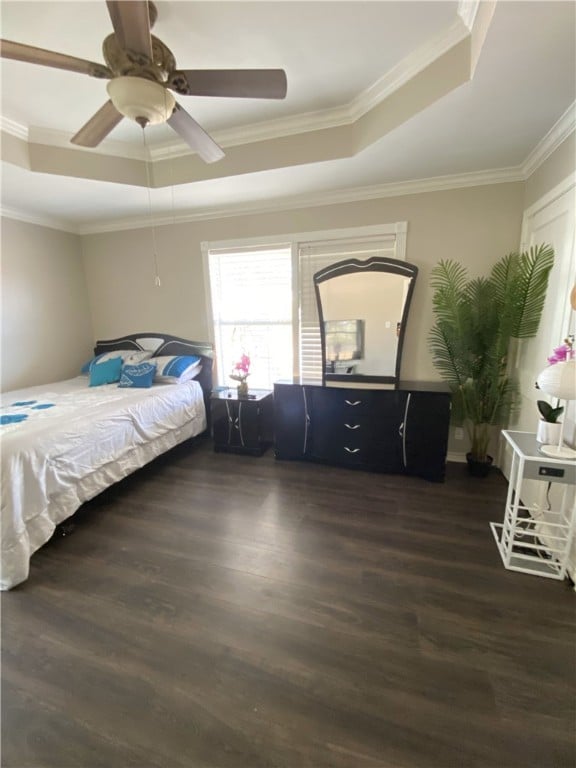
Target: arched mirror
<point x="363" y="308"/>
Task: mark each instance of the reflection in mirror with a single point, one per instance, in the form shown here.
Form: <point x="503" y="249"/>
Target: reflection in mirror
<point x="344" y="343"/>
<point x="363" y="309"/>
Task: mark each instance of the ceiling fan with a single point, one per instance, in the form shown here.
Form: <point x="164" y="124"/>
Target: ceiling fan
<point x="142" y="74"/>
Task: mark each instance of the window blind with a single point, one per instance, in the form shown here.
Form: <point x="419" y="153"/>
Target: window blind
<point x="312" y="257"/>
<point x="251" y="293"/>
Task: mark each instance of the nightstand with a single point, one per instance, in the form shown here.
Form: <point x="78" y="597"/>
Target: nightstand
<point x="242" y="424"/>
<point x="536" y="539"/>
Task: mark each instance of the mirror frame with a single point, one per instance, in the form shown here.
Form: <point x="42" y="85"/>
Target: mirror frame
<point x="353" y="266"/>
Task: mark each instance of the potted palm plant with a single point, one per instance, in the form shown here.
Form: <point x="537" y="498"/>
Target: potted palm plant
<point x="476" y="322"/>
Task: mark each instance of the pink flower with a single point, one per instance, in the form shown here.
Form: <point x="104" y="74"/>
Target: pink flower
<point x="561" y="354"/>
<point x="241" y="369"/>
<point x="243" y="365"/>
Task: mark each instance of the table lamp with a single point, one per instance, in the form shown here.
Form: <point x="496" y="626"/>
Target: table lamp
<point x="559" y="380"/>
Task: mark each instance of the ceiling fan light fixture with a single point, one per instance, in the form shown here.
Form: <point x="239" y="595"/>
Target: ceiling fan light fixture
<point x="141" y="100"/>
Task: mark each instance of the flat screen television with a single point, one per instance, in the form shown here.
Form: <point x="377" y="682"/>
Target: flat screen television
<point x="344" y="340"/>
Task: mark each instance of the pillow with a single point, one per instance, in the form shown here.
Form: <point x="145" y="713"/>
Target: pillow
<point x="140" y="376"/>
<point x="107" y="372"/>
<point x="128" y="356"/>
<point x="176" y="369"/>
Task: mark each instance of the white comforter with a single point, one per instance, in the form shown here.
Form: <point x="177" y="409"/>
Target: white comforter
<point x="73" y="442"/>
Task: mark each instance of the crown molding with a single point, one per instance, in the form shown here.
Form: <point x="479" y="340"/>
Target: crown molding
<point x="54" y="138"/>
<point x="271" y="129"/>
<point x="331" y="118"/>
<point x="467" y="10"/>
<point x="358" y="194"/>
<point x="566" y="185"/>
<point x="262" y="131"/>
<point x="12" y="128"/>
<point x="41" y="221"/>
<point x="406" y="69"/>
<point x="345" y="114"/>
<point x="551" y="141"/>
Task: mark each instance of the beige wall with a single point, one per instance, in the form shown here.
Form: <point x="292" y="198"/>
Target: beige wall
<point x="46" y="331"/>
<point x="45" y="318"/>
<point x="45" y="296"/>
<point x="476" y="226"/>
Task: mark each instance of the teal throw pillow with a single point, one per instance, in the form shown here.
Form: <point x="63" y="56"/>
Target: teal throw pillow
<point x="107" y="372"/>
<point x="140" y="376"/>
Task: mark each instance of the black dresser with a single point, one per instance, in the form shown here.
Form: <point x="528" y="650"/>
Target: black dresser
<point x="402" y="430"/>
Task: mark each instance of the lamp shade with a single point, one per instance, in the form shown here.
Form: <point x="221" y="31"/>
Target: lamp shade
<point x="136" y="97"/>
<point x="559" y="380"/>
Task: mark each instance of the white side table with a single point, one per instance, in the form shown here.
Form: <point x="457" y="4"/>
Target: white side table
<point x="535" y="539"/>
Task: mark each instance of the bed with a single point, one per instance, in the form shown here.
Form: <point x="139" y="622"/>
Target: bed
<point x="63" y="443"/>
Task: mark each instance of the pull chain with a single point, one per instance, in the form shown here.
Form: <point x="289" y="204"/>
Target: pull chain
<point x="157" y="281"/>
<point x="172" y="190"/>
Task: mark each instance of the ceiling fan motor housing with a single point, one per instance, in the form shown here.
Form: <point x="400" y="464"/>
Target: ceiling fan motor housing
<point x="123" y="61"/>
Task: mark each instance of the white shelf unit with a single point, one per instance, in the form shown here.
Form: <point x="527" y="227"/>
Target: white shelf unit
<point x="536" y="539"/>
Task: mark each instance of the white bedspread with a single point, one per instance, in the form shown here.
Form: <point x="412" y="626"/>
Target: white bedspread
<point x="74" y="441"/>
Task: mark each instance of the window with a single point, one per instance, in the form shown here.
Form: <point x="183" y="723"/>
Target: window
<point x="251" y="292"/>
<point x="264" y="303"/>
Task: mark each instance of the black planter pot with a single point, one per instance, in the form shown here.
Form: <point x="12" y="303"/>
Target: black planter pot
<point x="479" y="468"/>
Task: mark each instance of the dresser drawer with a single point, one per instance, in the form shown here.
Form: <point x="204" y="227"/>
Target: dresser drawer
<point x="342" y="405"/>
<point x="341" y="428"/>
<point x="333" y="445"/>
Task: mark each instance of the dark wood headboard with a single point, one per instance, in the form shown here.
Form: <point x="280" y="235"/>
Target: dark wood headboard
<point x="167" y="345"/>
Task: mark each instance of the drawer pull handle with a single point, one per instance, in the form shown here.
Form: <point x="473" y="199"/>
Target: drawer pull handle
<point x="352" y="426"/>
<point x="356" y="402"/>
<point x="351" y="450"/>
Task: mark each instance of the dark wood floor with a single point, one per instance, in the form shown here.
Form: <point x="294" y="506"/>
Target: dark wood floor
<point x="221" y="611"/>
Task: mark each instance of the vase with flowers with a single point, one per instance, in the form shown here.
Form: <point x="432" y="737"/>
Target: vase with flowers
<point x="240" y="373"/>
<point x="549" y="428"/>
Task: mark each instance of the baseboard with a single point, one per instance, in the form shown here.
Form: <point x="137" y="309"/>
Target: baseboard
<point x="460" y="458"/>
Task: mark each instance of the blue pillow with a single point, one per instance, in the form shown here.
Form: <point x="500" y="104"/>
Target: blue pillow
<point x="177" y="369"/>
<point x="107" y="372"/>
<point x="129" y="357"/>
<point x="140" y="376"/>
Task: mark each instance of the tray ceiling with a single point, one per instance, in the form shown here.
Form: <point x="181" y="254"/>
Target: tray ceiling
<point x="379" y="93"/>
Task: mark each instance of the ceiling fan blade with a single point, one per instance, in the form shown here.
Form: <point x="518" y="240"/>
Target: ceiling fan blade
<point x="194" y="135"/>
<point x="98" y="127"/>
<point x="131" y="22"/>
<point x="20" y="52"/>
<point x="242" y="83"/>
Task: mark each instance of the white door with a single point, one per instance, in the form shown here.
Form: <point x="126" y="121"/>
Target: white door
<point x="551" y="220"/>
